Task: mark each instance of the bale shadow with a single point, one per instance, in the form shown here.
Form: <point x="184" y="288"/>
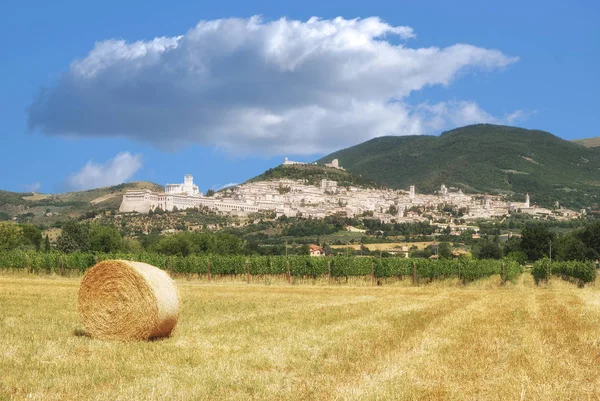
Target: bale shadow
<point x="81" y="333"/>
<point x="158" y="339"/>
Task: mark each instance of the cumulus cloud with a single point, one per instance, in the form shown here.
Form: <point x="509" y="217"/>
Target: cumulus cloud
<point x="114" y="171"/>
<point x="247" y="85"/>
<point x="35" y="187"/>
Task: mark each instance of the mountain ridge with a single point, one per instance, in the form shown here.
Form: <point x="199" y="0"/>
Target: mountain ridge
<point x="50" y="208"/>
<point x="481" y="158"/>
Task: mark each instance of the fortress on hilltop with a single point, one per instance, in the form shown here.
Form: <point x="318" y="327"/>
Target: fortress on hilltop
<point x="335" y="163"/>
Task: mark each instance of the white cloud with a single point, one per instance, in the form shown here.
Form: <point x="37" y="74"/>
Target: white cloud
<point x="517" y="116"/>
<point x="115" y="171"/>
<point x="35" y="187"/>
<point x="458" y="113"/>
<point x="218" y="187"/>
<point x="245" y="85"/>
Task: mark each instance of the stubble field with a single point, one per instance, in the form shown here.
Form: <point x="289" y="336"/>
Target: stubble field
<point x="237" y="341"/>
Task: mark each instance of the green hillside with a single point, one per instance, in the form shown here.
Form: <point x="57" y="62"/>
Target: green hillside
<point x="482" y="158"/>
<point x="47" y="209"/>
<point x="313" y="175"/>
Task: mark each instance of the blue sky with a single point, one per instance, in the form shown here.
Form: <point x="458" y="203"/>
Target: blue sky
<point x="229" y="97"/>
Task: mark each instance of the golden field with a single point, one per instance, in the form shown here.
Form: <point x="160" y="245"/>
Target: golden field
<point x="280" y="342"/>
<point x="386" y="245"/>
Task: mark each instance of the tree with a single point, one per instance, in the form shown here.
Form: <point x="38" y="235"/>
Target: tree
<point x="427" y="252"/>
<point x="590" y="236"/>
<point x="227" y="244"/>
<point x="210" y="192"/>
<point x="517" y="256"/>
<point x="486" y="249"/>
<point x="10" y="236"/>
<point x="364" y="250"/>
<point x="535" y="241"/>
<point x="105" y="239"/>
<point x="132" y="245"/>
<point x="149" y="242"/>
<point x="31" y="236"/>
<point x="513" y="244"/>
<point x="74" y="237"/>
<point x="174" y="245"/>
<point x="47" y="244"/>
<point x="444" y="250"/>
<point x="569" y="247"/>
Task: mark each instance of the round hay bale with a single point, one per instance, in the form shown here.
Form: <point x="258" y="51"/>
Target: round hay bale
<point x="123" y="300"/>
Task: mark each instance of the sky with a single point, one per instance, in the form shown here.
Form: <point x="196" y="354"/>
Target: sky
<point x="100" y="93"/>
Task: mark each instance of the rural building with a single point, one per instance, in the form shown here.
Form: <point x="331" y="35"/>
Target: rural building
<point x="316" y="250"/>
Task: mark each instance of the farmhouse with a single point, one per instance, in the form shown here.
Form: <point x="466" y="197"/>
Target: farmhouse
<point x="316" y="250"/>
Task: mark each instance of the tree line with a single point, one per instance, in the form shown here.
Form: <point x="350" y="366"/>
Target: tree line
<point x="537" y="241"/>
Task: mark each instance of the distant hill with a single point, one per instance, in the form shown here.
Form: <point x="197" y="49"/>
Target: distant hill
<point x="47" y="209"/>
<point x="313" y="175"/>
<point x="482" y="158"/>
<point x="589" y="142"/>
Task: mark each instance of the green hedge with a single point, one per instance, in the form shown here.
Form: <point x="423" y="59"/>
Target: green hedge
<point x="299" y="265"/>
<point x="583" y="272"/>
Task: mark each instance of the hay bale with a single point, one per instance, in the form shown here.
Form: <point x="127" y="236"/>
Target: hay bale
<point x="123" y="300"/>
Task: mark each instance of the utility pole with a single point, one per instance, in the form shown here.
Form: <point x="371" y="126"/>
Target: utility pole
<point x="550" y="251"/>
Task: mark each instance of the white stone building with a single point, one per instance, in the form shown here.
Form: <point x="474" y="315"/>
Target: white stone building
<point x="188" y="187"/>
<point x="295" y="198"/>
<point x="287" y="162"/>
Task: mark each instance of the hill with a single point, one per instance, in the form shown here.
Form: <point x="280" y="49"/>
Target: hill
<point x="47" y="209"/>
<point x="589" y="142"/>
<point x="313" y="174"/>
<point x="482" y="158"/>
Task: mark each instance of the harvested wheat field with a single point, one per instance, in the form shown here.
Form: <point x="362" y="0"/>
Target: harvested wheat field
<point x="238" y="341"/>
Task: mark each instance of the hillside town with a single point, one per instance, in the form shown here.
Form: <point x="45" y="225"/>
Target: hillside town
<point x="298" y="198"/>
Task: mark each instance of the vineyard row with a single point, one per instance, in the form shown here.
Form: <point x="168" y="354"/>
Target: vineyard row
<point x="581" y="272"/>
<point x="295" y="265"/>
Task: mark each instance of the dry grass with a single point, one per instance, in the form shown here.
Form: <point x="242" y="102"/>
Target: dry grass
<point x="235" y="341"/>
<point x="589" y="142"/>
<point x="386" y="245"/>
<point x="103" y="198"/>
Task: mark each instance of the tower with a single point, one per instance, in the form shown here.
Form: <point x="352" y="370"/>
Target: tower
<point x="188" y="185"/>
<point x="412" y="192"/>
<point x="527" y="200"/>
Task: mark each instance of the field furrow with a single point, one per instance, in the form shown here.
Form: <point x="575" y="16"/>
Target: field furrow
<point x="235" y="341"/>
